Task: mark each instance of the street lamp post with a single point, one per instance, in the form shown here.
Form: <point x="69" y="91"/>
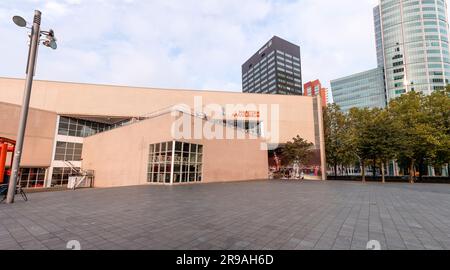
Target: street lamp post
<point x="50" y="41"/>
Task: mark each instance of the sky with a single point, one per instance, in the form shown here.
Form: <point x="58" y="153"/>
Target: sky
<point x="186" y="44"/>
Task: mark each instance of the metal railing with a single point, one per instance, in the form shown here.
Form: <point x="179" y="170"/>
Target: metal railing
<point x="255" y="131"/>
<point x="80" y="177"/>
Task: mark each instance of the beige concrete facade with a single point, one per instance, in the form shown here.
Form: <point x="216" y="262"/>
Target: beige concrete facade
<point x="288" y="115"/>
<point x="296" y="112"/>
<point x="40" y="133"/>
<point x="120" y="157"/>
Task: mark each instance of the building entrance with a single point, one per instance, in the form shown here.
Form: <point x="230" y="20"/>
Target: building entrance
<point x="175" y="163"/>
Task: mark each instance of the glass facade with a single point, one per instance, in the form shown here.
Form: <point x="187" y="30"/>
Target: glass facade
<point x="160" y="163"/>
<point x="362" y="90"/>
<point x="32" y="177"/>
<point x="80" y="128"/>
<point x="378" y="36"/>
<point x="69" y="145"/>
<point x="415" y="45"/>
<point x="66" y="151"/>
<point x="61" y="176"/>
<point x="175" y="163"/>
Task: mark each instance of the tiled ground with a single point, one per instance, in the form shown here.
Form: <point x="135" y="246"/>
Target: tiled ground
<point x="253" y="215"/>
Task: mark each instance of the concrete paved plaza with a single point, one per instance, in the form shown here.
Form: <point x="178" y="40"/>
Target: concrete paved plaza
<point x="252" y="215"/>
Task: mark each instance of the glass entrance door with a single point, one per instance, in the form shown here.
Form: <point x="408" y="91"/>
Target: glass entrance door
<point x="180" y="161"/>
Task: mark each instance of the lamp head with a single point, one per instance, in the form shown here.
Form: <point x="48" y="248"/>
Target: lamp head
<point x="51" y="40"/>
<point x="19" y="21"/>
<point x="51" y="43"/>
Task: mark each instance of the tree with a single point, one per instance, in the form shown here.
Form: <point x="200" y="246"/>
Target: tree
<point x="298" y="151"/>
<point x="384" y="138"/>
<point x="419" y="139"/>
<point x="337" y="140"/>
<point x="414" y="130"/>
<point x="437" y="108"/>
<point x="360" y="136"/>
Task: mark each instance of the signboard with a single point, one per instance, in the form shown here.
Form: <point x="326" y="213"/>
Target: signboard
<point x="266" y="47"/>
<point x="247" y="114"/>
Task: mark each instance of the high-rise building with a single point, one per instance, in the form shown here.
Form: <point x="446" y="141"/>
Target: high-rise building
<point x="412" y="45"/>
<point x="274" y="69"/>
<point x="378" y="36"/>
<point x="414" y="39"/>
<point x="329" y="97"/>
<point x="314" y="88"/>
<point x="362" y="90"/>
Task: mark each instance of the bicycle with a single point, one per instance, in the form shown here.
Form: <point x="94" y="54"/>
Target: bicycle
<point x="19" y="191"/>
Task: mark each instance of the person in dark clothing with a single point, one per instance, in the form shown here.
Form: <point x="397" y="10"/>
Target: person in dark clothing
<point x="7" y="177"/>
<point x="4" y="186"/>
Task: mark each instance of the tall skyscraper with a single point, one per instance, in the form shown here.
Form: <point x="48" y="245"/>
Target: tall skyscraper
<point x="414" y="39"/>
<point x="274" y="69"/>
<point x="378" y="36"/>
<point x="412" y="44"/>
<point x="314" y="88"/>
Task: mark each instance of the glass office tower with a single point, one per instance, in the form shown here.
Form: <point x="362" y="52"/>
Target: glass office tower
<point x="414" y="38"/>
<point x="362" y="90"/>
<point x="378" y="36"/>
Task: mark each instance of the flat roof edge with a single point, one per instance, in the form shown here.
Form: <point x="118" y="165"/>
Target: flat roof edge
<point x="147" y="88"/>
<point x="355" y="74"/>
<point x="31" y="108"/>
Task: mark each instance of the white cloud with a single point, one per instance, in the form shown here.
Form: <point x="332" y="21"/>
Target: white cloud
<point x="55" y="8"/>
<point x="198" y="44"/>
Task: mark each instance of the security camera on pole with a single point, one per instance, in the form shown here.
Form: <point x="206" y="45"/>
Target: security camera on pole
<point x="35" y="40"/>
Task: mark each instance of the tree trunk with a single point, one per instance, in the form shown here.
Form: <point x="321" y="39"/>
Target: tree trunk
<point x="363" y="170"/>
<point x="411" y="172"/>
<point x="335" y="171"/>
<point x="421" y="163"/>
<point x="383" y="177"/>
<point x="374" y="169"/>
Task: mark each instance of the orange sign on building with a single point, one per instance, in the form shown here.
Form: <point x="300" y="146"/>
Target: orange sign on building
<point x="247" y="114"/>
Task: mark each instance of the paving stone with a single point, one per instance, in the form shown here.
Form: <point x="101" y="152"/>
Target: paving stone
<point x="251" y="215"/>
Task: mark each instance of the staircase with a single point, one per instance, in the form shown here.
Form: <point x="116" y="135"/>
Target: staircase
<point x="81" y="178"/>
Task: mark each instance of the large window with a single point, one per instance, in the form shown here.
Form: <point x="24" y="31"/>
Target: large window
<point x="66" y="151"/>
<point x="184" y="158"/>
<point x="61" y="176"/>
<point x="80" y="128"/>
<point x="160" y="163"/>
<point x="188" y="163"/>
<point x="32" y="177"/>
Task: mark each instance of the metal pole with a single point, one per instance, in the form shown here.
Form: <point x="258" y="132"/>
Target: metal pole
<point x="35" y="35"/>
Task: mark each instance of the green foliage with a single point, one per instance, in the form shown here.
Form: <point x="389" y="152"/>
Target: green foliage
<point x="337" y="140"/>
<point x="414" y="129"/>
<point x="437" y="108"/>
<point x="420" y="133"/>
<point x="297" y="151"/>
<point x="360" y="122"/>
